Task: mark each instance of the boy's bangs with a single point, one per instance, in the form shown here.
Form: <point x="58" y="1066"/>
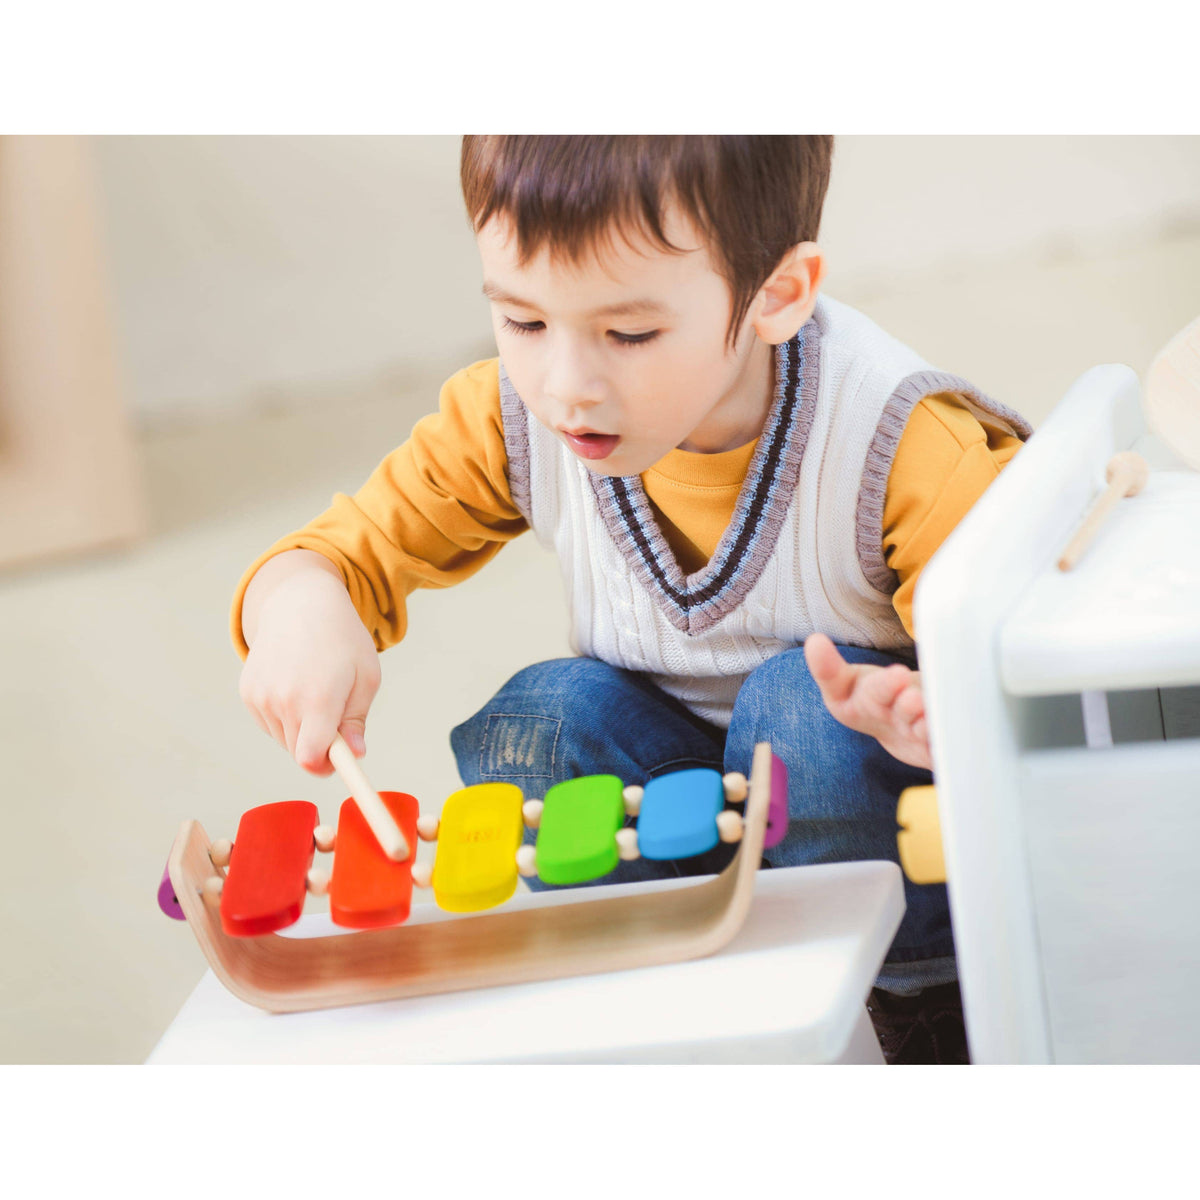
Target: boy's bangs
<point x="572" y="196"/>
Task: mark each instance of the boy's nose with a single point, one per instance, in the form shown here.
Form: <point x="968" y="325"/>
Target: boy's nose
<point x="571" y="383"/>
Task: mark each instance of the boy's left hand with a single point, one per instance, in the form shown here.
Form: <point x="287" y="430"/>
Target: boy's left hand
<point x="883" y="702"/>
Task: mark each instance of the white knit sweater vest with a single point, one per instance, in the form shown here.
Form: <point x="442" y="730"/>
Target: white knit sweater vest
<point x="803" y="552"/>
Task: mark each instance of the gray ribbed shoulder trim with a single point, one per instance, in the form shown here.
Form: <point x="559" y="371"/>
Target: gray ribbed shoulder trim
<point x="908" y="394"/>
<point x="515" y="418"/>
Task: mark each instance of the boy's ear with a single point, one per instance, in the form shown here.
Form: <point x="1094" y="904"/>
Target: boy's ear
<point x="786" y="300"/>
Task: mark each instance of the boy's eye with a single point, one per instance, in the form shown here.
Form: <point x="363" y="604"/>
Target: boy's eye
<point x="622" y="339"/>
<point x="522" y="326"/>
<point x="633" y="339"/>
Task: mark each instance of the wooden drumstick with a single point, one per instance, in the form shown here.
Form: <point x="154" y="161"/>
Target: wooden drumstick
<point x="1126" y="475"/>
<point x="387" y="832"/>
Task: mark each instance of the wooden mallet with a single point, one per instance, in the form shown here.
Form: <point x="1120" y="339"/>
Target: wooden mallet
<point x="1126" y="475"/>
<point x="386" y="831"/>
<point x="1171" y="405"/>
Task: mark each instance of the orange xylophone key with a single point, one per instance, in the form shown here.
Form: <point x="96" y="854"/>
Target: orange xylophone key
<point x="368" y="890"/>
<point x="266" y="884"/>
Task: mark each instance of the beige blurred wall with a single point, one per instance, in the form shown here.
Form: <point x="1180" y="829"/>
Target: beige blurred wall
<point x="260" y="270"/>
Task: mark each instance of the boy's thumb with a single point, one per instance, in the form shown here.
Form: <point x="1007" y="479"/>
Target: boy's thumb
<point x="354" y="716"/>
<point x="354" y="733"/>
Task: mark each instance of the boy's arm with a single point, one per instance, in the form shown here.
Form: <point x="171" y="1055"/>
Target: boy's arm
<point x="431" y="514"/>
<point x="273" y="574"/>
<point x="945" y="461"/>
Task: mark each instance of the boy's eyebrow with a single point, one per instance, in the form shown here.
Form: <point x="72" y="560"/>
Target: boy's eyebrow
<point x="626" y="308"/>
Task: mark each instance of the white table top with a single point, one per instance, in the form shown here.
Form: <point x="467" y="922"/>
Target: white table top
<point x="1128" y="614"/>
<point x="789" y="988"/>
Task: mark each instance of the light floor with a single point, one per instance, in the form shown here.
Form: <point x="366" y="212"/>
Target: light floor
<point x="118" y="682"/>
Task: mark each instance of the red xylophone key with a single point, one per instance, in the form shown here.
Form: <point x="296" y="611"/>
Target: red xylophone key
<point x="368" y="890"/>
<point x="266" y="884"/>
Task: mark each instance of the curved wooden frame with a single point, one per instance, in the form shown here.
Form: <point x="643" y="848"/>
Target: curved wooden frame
<point x="290" y="974"/>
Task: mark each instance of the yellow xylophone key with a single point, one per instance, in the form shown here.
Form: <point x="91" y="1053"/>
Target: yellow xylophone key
<point x="475" y="866"/>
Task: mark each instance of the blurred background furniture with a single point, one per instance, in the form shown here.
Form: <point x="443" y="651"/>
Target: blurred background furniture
<point x="69" y="475"/>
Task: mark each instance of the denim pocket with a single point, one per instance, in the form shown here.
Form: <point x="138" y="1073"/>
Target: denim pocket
<point x="518" y="746"/>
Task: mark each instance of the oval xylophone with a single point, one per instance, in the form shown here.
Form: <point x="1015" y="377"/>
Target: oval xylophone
<point x="235" y="895"/>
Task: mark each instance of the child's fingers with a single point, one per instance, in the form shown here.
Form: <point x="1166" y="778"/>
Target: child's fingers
<point x="259" y="720"/>
<point x="354" y="734"/>
<point x="291" y="730"/>
<point x="354" y="719"/>
<point x="833" y="674"/>
<point x="275" y="729"/>
<point x="313" y="739"/>
<point x="878" y="690"/>
<point x="269" y="723"/>
<point x="254" y="699"/>
<point x="910" y="704"/>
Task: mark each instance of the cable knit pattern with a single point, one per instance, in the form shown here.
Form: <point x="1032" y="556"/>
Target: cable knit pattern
<point x="802" y="551"/>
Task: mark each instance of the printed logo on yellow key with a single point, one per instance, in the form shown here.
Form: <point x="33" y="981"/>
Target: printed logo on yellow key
<point x="475" y="866"/>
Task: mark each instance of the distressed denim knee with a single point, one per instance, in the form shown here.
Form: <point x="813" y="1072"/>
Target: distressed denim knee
<point x="579" y="716"/>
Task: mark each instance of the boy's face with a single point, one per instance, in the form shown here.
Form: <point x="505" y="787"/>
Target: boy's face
<point x="624" y="355"/>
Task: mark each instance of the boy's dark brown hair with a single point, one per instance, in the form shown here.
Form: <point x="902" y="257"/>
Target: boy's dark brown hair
<point x="753" y="198"/>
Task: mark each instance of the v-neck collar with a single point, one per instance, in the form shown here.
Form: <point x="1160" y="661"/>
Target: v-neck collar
<point x="694" y="603"/>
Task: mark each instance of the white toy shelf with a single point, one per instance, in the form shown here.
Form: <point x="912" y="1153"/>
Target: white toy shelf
<point x="1064" y="715"/>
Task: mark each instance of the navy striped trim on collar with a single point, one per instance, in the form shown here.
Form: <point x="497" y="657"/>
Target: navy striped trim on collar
<point x="695" y="603"/>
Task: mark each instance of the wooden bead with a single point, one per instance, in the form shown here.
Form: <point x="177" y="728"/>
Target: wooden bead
<point x="427" y="827"/>
<point x="527" y="861"/>
<point x="632" y="796"/>
<point x="730" y="826"/>
<point x="220" y="851"/>
<point x="422" y="874"/>
<point x="318" y="881"/>
<point x="736" y="787"/>
<point x="214" y="885"/>
<point x="531" y="810"/>
<point x="627" y="846"/>
<point x="325" y="837"/>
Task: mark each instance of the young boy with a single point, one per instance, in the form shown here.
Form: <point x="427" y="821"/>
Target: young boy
<point x="742" y="481"/>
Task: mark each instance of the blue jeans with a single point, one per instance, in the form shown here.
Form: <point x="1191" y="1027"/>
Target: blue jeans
<point x="557" y="720"/>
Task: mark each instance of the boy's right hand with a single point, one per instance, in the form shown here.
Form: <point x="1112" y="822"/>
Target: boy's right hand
<point x="312" y="670"/>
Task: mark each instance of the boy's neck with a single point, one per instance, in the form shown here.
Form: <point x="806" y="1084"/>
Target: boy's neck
<point x="742" y="412"/>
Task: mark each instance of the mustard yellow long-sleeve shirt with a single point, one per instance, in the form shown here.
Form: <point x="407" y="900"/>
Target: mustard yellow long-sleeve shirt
<point x="438" y="507"/>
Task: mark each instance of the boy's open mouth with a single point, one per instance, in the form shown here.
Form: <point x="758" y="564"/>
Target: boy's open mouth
<point x="591" y="445"/>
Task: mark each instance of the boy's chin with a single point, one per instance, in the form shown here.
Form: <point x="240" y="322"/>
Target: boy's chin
<point x="607" y="468"/>
<point x="616" y="465"/>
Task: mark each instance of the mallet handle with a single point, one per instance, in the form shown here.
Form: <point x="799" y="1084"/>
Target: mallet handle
<point x="386" y="831"/>
<point x="1126" y="475"/>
